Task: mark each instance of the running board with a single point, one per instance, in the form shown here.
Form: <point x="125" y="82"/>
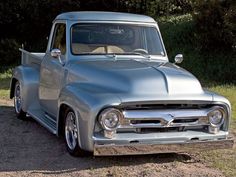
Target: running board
<point x="44" y="119"/>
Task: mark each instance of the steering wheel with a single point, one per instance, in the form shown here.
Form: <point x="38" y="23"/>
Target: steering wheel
<point x="142" y="51"/>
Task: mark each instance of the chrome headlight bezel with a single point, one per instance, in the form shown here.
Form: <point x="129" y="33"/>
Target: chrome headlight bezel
<point x="215" y="112"/>
<point x="105" y="117"/>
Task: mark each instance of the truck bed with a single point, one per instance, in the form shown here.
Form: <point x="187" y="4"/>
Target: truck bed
<point x="31" y="58"/>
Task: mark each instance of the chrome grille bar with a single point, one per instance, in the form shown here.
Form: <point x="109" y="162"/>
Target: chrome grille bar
<point x="166" y="118"/>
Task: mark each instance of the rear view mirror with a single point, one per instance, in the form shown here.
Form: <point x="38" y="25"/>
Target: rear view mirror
<point x="179" y="58"/>
<point x="56" y="53"/>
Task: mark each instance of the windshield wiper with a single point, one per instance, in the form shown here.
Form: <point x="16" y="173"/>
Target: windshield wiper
<point x="114" y="55"/>
<point x="137" y="53"/>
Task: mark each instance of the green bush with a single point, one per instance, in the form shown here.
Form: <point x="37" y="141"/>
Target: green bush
<point x="9" y="52"/>
<point x="205" y="40"/>
<point x="168" y="7"/>
<point x="230" y="22"/>
<point x="215" y="24"/>
<point x="178" y="33"/>
<point x="178" y="36"/>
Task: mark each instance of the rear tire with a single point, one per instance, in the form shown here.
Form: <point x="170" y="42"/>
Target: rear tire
<point x="20" y="114"/>
<point x="71" y="135"/>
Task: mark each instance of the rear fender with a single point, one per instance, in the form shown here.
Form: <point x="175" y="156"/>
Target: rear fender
<point x="29" y="82"/>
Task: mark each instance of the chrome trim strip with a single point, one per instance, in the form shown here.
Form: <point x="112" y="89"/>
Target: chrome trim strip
<point x="165" y="115"/>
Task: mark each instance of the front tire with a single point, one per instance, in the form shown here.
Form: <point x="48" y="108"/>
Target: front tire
<point x="71" y="135"/>
<point x="20" y="114"/>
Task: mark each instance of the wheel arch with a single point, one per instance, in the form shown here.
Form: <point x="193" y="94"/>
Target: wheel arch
<point x="61" y="117"/>
<point x="86" y="105"/>
<point x="62" y="110"/>
<point x="29" y="80"/>
<point x="12" y="87"/>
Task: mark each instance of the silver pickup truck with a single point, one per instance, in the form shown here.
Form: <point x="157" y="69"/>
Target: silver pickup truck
<point x="106" y="85"/>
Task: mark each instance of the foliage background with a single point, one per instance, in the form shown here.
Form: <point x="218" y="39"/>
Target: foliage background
<point x="204" y="31"/>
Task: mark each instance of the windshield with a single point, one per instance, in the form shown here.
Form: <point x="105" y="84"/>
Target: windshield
<point x="93" y="38"/>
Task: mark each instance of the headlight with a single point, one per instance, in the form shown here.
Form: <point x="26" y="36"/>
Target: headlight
<point x="216" y="117"/>
<point x="110" y="118"/>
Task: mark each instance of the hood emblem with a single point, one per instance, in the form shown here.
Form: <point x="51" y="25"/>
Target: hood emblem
<point x="167" y="120"/>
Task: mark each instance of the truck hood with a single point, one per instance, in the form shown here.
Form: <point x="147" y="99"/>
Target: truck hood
<point x="129" y="78"/>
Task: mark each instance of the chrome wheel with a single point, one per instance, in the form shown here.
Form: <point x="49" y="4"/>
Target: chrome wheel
<point x="17" y="98"/>
<point x="71" y="131"/>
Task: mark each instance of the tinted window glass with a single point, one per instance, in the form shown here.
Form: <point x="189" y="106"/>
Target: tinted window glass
<point x="59" y="38"/>
<point x="115" y="38"/>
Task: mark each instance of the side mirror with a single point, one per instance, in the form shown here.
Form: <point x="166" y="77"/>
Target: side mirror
<point x="56" y="53"/>
<point x="179" y="58"/>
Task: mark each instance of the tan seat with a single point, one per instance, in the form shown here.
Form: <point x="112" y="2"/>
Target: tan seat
<point x="78" y="48"/>
<point x="99" y="50"/>
<point x="114" y="49"/>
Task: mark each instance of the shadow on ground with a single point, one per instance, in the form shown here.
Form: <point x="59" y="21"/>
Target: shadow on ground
<point x="27" y="146"/>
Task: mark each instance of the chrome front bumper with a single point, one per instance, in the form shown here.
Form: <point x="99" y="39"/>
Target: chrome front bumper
<point x="137" y="148"/>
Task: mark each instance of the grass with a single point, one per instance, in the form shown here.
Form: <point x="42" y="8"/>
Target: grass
<point x="5" y="78"/>
<point x="229" y="91"/>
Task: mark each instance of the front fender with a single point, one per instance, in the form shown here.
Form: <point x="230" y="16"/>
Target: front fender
<point x="225" y="102"/>
<point x="29" y="82"/>
<point x="87" y="105"/>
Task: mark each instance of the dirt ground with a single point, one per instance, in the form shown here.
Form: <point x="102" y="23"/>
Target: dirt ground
<point x="28" y="149"/>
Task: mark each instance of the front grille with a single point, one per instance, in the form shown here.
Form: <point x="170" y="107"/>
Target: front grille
<point x="172" y="129"/>
<point x="185" y="120"/>
<point x="164" y="118"/>
<point x="145" y="122"/>
<point x="165" y="106"/>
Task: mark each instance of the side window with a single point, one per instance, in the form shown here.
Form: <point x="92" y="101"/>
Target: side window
<point x="59" y="38"/>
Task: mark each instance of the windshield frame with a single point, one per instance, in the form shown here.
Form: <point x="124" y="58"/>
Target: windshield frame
<point x="154" y="25"/>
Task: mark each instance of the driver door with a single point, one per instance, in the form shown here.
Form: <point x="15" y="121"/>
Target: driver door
<point x="52" y="72"/>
